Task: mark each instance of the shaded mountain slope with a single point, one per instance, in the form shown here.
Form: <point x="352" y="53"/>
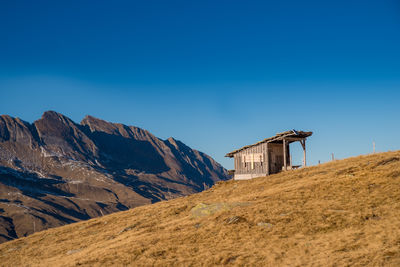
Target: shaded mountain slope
<point x="343" y="213"/>
<point x="55" y="171"/>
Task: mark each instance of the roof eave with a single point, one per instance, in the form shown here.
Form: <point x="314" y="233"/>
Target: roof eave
<point x="277" y="137"/>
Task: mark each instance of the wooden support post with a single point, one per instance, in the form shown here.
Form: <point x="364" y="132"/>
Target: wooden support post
<point x="303" y="144"/>
<point x="284" y="155"/>
<point x="267" y="159"/>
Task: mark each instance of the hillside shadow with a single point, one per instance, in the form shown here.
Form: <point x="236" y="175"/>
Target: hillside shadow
<point x="199" y="175"/>
<point x="30" y="184"/>
<point x="118" y="152"/>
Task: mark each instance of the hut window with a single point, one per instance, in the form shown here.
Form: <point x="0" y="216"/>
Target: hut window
<point x="253" y="159"/>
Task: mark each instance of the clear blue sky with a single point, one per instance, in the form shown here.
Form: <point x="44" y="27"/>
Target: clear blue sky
<point x="216" y="75"/>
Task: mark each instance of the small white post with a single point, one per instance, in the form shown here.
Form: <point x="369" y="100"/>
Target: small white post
<point x="373" y="145"/>
<point x="303" y="145"/>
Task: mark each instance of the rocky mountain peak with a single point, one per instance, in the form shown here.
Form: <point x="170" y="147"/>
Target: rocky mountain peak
<point x="99" y="125"/>
<point x="15" y="130"/>
<point x="94" y="123"/>
<point x="61" y="135"/>
<point x="53" y="114"/>
<point x="54" y="123"/>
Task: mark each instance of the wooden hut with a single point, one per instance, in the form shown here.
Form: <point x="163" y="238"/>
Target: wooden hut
<point x="268" y="156"/>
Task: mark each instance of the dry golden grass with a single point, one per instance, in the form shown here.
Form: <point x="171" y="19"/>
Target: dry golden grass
<point x="343" y="213"/>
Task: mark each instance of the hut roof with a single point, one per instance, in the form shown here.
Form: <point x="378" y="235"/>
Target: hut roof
<point x="275" y="139"/>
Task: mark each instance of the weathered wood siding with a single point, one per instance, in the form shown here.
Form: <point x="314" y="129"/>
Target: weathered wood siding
<point x="271" y="158"/>
<point x="247" y="167"/>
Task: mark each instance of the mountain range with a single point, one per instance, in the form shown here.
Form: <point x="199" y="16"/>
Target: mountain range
<point x="55" y="171"/>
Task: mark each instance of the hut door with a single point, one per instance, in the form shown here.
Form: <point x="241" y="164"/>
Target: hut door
<point x="279" y="163"/>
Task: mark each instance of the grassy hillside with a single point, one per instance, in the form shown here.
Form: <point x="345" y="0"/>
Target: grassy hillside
<point x="336" y="214"/>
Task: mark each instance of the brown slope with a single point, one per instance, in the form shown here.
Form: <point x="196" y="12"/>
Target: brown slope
<point x="344" y="213"/>
<point x="54" y="171"/>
